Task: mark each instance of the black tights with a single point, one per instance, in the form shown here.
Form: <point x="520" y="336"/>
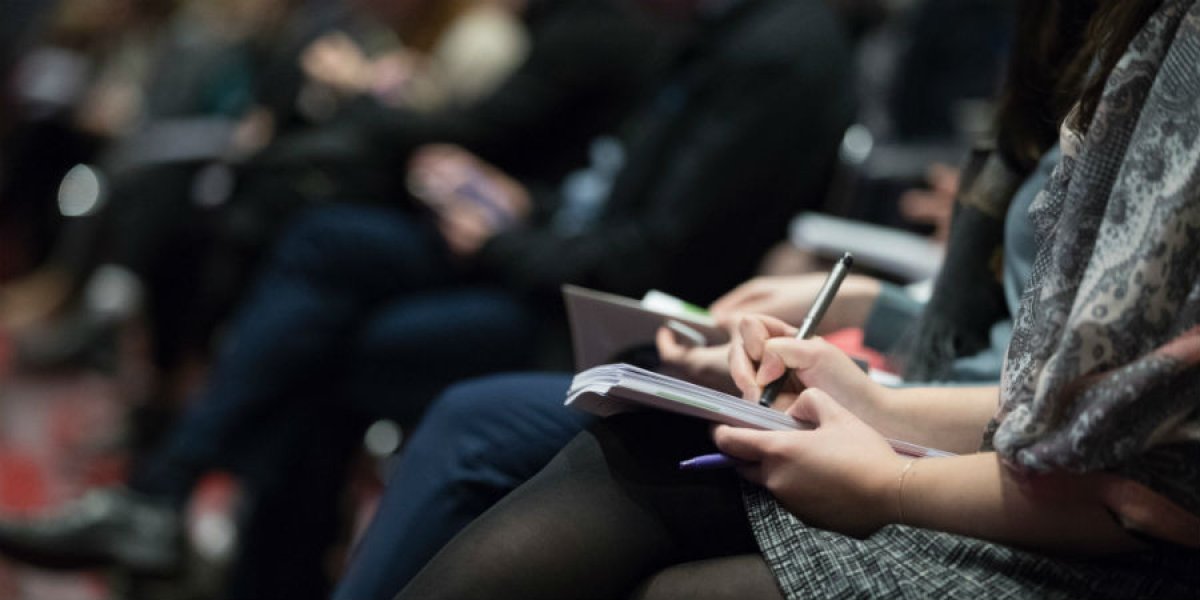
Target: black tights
<point x="610" y="517"/>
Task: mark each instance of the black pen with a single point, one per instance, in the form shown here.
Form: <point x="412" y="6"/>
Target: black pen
<point x="815" y="312"/>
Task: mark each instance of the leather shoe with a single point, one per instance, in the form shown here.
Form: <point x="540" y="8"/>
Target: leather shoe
<point x="105" y="528"/>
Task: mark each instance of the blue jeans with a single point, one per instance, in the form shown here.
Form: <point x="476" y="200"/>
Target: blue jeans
<point x="358" y="315"/>
<point x="479" y="440"/>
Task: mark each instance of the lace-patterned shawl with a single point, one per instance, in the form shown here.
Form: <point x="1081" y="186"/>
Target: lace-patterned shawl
<point x="1103" y="371"/>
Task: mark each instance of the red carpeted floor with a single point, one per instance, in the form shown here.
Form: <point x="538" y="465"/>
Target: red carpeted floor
<point x="60" y="435"/>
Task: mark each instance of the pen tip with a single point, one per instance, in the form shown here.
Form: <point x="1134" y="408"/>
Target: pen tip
<point x="848" y="259"/>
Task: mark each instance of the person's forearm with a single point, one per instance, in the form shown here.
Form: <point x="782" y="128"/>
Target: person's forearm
<point x="977" y="496"/>
<point x="947" y="418"/>
<point x="855" y="299"/>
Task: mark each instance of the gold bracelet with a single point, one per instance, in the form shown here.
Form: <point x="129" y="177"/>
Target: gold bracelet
<point x="900" y="490"/>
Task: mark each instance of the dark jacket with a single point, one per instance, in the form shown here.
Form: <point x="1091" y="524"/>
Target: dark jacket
<point x="590" y="62"/>
<point x="740" y="135"/>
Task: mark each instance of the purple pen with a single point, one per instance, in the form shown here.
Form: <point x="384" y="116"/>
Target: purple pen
<point x="480" y="191"/>
<point x="705" y="462"/>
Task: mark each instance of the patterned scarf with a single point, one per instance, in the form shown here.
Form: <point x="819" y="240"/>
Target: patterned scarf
<point x="1103" y="371"/>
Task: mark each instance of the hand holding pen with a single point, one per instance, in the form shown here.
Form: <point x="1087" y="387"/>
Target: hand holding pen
<point x="811" y="320"/>
<point x="821" y="365"/>
<point x="816" y="311"/>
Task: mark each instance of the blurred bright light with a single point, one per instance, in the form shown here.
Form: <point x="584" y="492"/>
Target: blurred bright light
<point x="214" y="536"/>
<point x="114" y="292"/>
<point x="213" y="186"/>
<point x="383" y="438"/>
<point x="857" y="144"/>
<point x="81" y="192"/>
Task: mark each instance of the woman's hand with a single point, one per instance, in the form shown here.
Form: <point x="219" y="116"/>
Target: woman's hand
<point x="841" y="476"/>
<point x="765" y="347"/>
<point x="335" y="60"/>
<point x="933" y="205"/>
<point x="788" y="297"/>
<point x="392" y="74"/>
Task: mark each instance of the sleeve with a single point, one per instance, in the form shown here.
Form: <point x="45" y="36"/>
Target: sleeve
<point x="572" y="62"/>
<point x="1140" y="421"/>
<point x="720" y="187"/>
<point x="892" y="315"/>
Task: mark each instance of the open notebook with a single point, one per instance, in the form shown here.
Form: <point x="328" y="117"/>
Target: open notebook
<point x="615" y="388"/>
<point x="608" y="328"/>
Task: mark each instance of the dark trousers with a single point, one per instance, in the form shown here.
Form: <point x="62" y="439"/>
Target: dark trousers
<point x="357" y="316"/>
<point x="479" y="441"/>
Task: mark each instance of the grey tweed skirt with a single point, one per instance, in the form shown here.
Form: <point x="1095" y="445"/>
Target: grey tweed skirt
<point x="907" y="562"/>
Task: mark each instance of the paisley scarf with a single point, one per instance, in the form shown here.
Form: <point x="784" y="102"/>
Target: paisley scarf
<point x="1103" y="371"/>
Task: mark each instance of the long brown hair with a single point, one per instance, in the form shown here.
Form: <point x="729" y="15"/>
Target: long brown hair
<point x="1111" y="30"/>
<point x="1049" y="37"/>
<point x="1063" y="52"/>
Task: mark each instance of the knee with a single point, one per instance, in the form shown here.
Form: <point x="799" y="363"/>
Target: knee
<point x="310" y="236"/>
<point x="465" y="404"/>
<point x="480" y="429"/>
<point x="456" y="442"/>
<point x="338" y="240"/>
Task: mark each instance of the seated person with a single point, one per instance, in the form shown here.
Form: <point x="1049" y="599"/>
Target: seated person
<point x="1076" y="476"/>
<point x="365" y="312"/>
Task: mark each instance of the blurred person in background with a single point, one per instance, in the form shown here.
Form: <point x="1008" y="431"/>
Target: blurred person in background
<point x="207" y="218"/>
<point x="135" y="203"/>
<point x="193" y="64"/>
<point x="451" y="54"/>
<point x="211" y="83"/>
<point x="70" y="92"/>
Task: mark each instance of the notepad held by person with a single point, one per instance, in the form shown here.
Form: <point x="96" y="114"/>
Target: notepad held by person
<point x="610" y="389"/>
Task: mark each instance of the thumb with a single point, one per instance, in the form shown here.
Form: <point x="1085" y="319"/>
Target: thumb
<point x="816" y="407"/>
<point x="741" y="443"/>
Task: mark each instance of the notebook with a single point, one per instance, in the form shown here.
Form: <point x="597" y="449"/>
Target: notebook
<point x="616" y="388"/>
<point x="608" y="328"/>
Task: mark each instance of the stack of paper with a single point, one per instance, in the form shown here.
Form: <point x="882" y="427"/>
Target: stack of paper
<point x="615" y="388"/>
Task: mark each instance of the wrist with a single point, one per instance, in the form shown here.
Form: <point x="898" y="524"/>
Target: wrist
<point x="906" y="472"/>
<point x="887" y="495"/>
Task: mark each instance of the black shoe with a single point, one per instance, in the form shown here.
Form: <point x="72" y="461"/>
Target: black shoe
<point x="105" y="528"/>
